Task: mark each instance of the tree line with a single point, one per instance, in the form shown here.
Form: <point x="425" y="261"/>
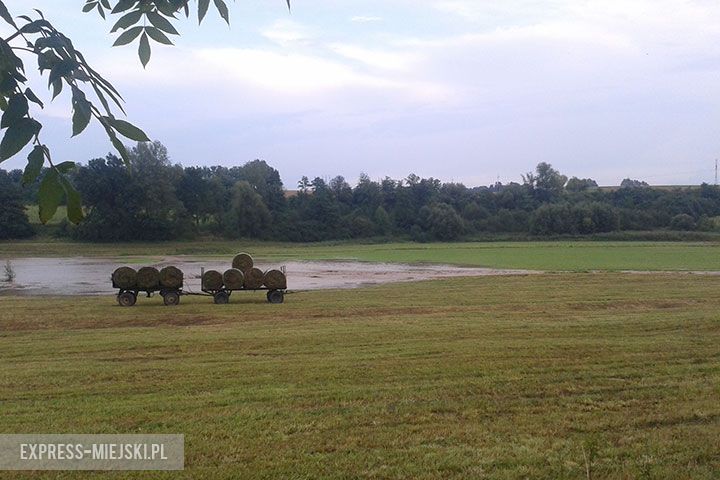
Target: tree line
<point x="153" y="199"/>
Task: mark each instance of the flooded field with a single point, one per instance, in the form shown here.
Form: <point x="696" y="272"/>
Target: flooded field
<point x="91" y="276"/>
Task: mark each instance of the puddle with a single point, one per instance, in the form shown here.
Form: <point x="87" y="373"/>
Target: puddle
<point x="91" y="276"/>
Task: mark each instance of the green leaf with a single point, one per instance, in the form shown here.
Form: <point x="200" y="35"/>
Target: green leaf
<point x="62" y="69"/>
<point x="50" y="195"/>
<point x="121" y="149"/>
<point x="82" y="111"/>
<point x="88" y="6"/>
<point x="57" y="87"/>
<point x="36" y="160"/>
<point x="101" y="11"/>
<point x="74" y="202"/>
<point x="203" y="6"/>
<point x="17" y="136"/>
<point x="161" y="22"/>
<point x="123" y="5"/>
<point x="158" y="36"/>
<point x="105" y="3"/>
<point x="5" y="14"/>
<point x="8" y="84"/>
<point x="33" y="98"/>
<point x="223" y="9"/>
<point x="127" y="21"/>
<point x="35" y="26"/>
<point x="144" y="50"/>
<point x="47" y="60"/>
<point x="128" y="36"/>
<point x="166" y="8"/>
<point x="127" y="129"/>
<point x="55" y="42"/>
<point x="17" y="109"/>
<point x="65" y="167"/>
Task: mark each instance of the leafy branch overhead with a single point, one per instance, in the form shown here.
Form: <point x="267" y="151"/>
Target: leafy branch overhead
<point x="91" y="95"/>
<point x="148" y="20"/>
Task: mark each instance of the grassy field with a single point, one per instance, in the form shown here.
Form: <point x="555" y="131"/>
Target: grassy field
<point x="505" y="377"/>
<point x="549" y="256"/>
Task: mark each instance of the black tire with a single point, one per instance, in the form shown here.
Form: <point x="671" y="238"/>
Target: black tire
<point x="221" y="298"/>
<point x="127" y="299"/>
<point x="171" y="298"/>
<point x="275" y="296"/>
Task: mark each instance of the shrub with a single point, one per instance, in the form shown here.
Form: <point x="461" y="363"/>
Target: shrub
<point x="683" y="221"/>
<point x="443" y="222"/>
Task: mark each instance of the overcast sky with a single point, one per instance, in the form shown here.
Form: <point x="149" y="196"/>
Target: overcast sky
<point x="461" y="90"/>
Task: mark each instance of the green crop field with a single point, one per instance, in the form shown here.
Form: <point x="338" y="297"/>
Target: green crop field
<point x="542" y="377"/>
<point x="549" y="256"/>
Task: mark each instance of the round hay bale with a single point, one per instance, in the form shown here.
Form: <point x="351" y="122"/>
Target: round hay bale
<point x="148" y="278"/>
<point x="254" y="278"/>
<point x="233" y="279"/>
<point x="125" y="277"/>
<point x="212" y="280"/>
<point x="275" y="280"/>
<point x="243" y="262"/>
<point x="171" y="277"/>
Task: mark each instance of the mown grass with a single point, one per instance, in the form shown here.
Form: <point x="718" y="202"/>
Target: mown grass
<point x="548" y="256"/>
<point x="502" y="377"/>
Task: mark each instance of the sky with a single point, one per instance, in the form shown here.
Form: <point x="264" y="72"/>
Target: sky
<point x="469" y="91"/>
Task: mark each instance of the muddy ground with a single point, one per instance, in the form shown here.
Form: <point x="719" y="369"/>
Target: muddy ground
<point x="91" y="276"/>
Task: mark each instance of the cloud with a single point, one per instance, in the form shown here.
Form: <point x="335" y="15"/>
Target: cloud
<point x="566" y="33"/>
<point x="593" y="86"/>
<point x="365" y="19"/>
<point x="288" y="33"/>
<point x="376" y="58"/>
<point x="288" y="73"/>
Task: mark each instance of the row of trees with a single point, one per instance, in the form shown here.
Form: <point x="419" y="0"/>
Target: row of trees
<point x="156" y="200"/>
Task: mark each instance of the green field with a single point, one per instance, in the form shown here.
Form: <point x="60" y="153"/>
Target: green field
<point x="534" y="377"/>
<point x="548" y="256"/>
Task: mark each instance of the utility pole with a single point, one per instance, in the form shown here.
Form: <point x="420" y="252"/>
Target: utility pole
<point x="716" y="171"/>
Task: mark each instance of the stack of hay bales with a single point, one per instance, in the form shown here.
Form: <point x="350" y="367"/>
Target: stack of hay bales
<point x="234" y="279"/>
<point x="124" y="277"/>
<point x="212" y="280"/>
<point x="254" y="278"/>
<point x="171" y="277"/>
<point x="148" y="278"/>
<point x="243" y="262"/>
<point x="244" y="275"/>
<point x="275" y="280"/>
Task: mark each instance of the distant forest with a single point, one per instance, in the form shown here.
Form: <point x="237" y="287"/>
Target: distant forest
<point x="156" y="200"/>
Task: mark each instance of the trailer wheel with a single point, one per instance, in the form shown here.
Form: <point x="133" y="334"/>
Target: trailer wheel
<point x="221" y="298"/>
<point x="171" y="298"/>
<point x="126" y="299"/>
<point x="275" y="296"/>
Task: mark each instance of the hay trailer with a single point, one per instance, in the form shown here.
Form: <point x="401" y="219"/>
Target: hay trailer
<point x="221" y="286"/>
<point x="149" y="280"/>
<point x="128" y="298"/>
<point x="168" y="282"/>
<point x="222" y="296"/>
